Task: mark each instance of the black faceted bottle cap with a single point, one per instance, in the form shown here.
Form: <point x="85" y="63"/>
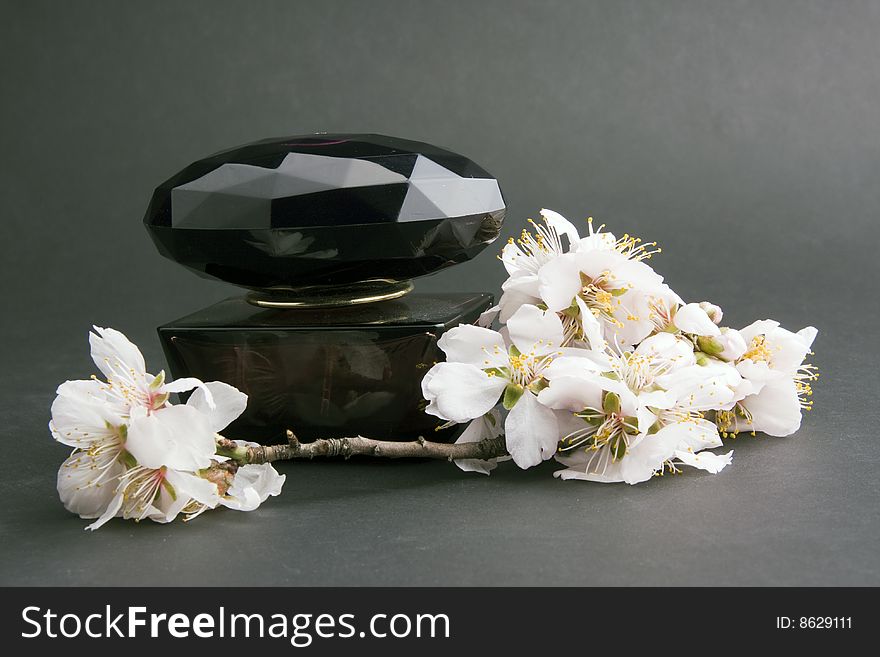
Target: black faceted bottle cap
<point x="326" y="219"/>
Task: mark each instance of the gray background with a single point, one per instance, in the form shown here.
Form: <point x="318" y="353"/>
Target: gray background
<point x="743" y="136"/>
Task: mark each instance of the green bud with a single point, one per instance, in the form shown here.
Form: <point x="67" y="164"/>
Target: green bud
<point x="702" y="359"/>
<point x="709" y="345"/>
<point x="512" y="393"/>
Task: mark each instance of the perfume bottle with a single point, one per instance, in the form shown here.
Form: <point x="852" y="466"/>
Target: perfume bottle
<point x="326" y="231"/>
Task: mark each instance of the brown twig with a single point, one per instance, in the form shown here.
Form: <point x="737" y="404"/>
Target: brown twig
<point x="358" y="445"/>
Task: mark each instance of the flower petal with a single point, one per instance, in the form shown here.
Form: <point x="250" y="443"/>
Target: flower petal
<point x="531" y="432"/>
<point x="808" y="335"/>
<point x="115" y="355"/>
<point x="561" y="226"/>
<point x="776" y="410"/>
<point x="86" y="487"/>
<point x="692" y="319"/>
<point x="182" y="488"/>
<point x="474" y="345"/>
<point x="645" y="418"/>
<point x="595" y="262"/>
<point x="178" y="437"/>
<point x="656" y="399"/>
<point x="82" y="416"/>
<point x="581" y="363"/>
<point x="694" y="435"/>
<point x="758" y="372"/>
<point x="733" y="346"/>
<point x="229" y="403"/>
<point x="760" y="327"/>
<point x="533" y="329"/>
<point x="707" y="461"/>
<point x="460" y="392"/>
<point x="524" y="283"/>
<point x="488" y="426"/>
<point x="591" y="327"/>
<point x="560" y="282"/>
<point x="646" y="457"/>
<point x="191" y="486"/>
<point x="628" y="332"/>
<point x="188" y="383"/>
<point x="590" y="466"/>
<point x="510" y="254"/>
<point x="789" y="349"/>
<point x="253" y="485"/>
<point x="91" y="391"/>
<point x="487" y="317"/>
<point x="703" y="387"/>
<point x="112" y="510"/>
<point x="665" y="346"/>
<point x="572" y="393"/>
<point x="510" y="302"/>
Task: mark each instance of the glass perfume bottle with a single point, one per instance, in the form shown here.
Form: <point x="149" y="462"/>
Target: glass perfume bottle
<point x="327" y="231"/>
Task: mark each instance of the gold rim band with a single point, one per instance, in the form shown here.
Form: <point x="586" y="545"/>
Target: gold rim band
<point x="369" y="292"/>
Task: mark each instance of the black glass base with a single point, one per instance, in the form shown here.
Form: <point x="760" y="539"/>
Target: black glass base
<point x="323" y="372"/>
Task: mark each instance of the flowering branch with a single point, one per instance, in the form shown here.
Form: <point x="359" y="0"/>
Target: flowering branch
<point x="485" y="449"/>
<point x="599" y="364"/>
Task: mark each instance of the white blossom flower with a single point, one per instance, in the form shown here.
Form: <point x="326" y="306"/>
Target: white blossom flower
<point x="160" y="433"/>
<point x="599" y="284"/>
<point x="252" y="485"/>
<point x="636" y="370"/>
<point x="136" y="455"/>
<point x="482" y="368"/>
<point x="704" y="386"/>
<point x="85" y="419"/>
<point x="699" y="323"/>
<point x="635" y="419"/>
<point x="87" y="479"/>
<point x="159" y="494"/>
<point x="650" y="455"/>
<point x="611" y="294"/>
<point x="240" y="487"/>
<point x="523" y="259"/>
<point x="127" y="382"/>
<point x="776" y="386"/>
<point x="526" y="256"/>
<point x="728" y="345"/>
